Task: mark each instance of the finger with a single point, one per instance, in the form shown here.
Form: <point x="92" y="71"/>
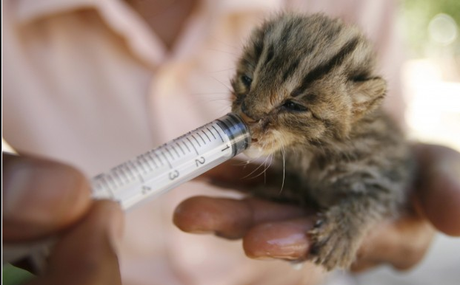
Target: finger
<point x="287" y="240"/>
<point x="402" y="243"/>
<point x="439" y="187"/>
<point x="361" y="265"/>
<point x="229" y="218"/>
<point x="87" y="253"/>
<point x="40" y="197"/>
<point x="224" y="175"/>
<point x="249" y="175"/>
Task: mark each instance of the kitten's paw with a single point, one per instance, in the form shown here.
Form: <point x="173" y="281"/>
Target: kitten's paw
<point x="333" y="245"/>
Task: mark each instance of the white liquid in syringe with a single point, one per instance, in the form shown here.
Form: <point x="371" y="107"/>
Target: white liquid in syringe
<point x="173" y="163"/>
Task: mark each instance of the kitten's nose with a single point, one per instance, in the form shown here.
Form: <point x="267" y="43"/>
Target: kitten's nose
<point x="245" y="116"/>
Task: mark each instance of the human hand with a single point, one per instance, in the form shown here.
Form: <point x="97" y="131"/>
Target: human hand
<point x="272" y="230"/>
<point x="44" y="199"/>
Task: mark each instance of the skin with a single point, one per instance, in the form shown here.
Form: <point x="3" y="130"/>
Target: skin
<point x="257" y="222"/>
<point x="275" y="231"/>
<point x="48" y="199"/>
<point x="89" y="231"/>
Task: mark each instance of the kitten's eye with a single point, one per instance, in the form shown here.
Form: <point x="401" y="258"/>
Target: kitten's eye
<point x="292" y="106"/>
<point x="359" y="78"/>
<point x="246" y="80"/>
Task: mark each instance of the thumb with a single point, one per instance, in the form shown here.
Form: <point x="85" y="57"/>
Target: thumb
<point x="41" y="197"/>
<point x="87" y="253"/>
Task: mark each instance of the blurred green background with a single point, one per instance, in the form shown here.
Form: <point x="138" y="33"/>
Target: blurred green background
<point x="427" y="32"/>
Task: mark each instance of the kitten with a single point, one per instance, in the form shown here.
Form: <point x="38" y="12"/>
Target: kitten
<point x="306" y="86"/>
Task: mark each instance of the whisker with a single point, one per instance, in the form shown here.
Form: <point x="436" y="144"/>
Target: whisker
<point x="225" y="43"/>
<point x="242" y="163"/>
<point x="283" y="152"/>
<point x="223" y="84"/>
<point x="223" y="51"/>
<point x="252" y="172"/>
<point x="265" y="168"/>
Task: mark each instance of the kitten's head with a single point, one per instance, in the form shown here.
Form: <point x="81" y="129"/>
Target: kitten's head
<point x="304" y="80"/>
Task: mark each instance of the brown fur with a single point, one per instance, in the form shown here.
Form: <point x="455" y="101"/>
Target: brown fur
<point x="307" y="87"/>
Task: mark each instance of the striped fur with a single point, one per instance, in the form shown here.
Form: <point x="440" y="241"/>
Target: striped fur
<point x="307" y="86"/>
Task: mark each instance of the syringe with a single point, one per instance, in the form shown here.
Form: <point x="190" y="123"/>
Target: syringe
<point x="164" y="168"/>
<point x="173" y="163"/>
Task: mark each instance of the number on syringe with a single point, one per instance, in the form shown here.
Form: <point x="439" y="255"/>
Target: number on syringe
<point x="146" y="189"/>
<point x="200" y="161"/>
<point x="227" y="147"/>
<point x="173" y="175"/>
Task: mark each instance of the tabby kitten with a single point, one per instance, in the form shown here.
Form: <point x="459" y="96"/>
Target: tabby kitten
<point x="307" y="88"/>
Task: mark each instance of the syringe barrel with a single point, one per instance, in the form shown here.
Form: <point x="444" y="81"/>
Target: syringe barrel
<point x="173" y="163"/>
<point x="156" y="172"/>
<point x="237" y="131"/>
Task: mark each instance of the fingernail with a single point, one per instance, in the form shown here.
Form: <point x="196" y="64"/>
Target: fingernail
<point x="291" y="247"/>
<point x="287" y="241"/>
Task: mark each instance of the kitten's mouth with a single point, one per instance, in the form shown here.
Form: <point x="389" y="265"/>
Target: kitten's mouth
<point x="259" y="148"/>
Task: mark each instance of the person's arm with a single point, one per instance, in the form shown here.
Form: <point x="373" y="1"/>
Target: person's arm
<point x="44" y="199"/>
<point x="271" y="230"/>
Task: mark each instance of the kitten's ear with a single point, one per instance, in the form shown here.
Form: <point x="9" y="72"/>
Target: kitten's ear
<point x="368" y="95"/>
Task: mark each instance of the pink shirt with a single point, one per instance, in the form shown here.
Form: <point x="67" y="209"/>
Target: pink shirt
<point x="87" y="82"/>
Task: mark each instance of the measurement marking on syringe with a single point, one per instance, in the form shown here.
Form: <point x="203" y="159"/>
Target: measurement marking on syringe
<point x="201" y="138"/>
<point x="110" y="189"/>
<point x="175" y="150"/>
<point x="128" y="172"/>
<point x="101" y="183"/>
<point x="111" y="180"/>
<point x="167" y="150"/>
<point x="101" y="179"/>
<point x="218" y="133"/>
<point x="172" y="163"/>
<point x="211" y="133"/>
<point x="197" y="153"/>
<point x="123" y="172"/>
<point x="133" y="169"/>
<point x="124" y="178"/>
<point x="129" y="167"/>
<point x="150" y="159"/>
<point x="114" y="177"/>
<point x="164" y="155"/>
<point x="188" y="149"/>
<point x="159" y="159"/>
<point x="106" y="182"/>
<point x="196" y="141"/>
<point x="142" y="161"/>
<point x="183" y="152"/>
<point x="206" y="135"/>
